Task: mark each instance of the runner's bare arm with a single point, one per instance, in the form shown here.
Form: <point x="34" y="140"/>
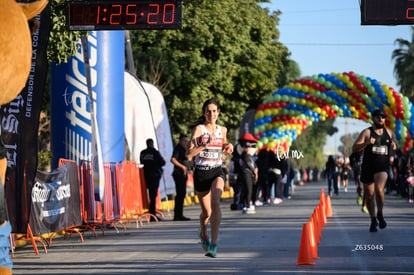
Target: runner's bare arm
<point x="394" y="142"/>
<point x="194" y="150"/>
<point x="361" y="142"/>
<point x="227" y="147"/>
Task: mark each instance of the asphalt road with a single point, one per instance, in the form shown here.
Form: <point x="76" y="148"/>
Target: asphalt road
<point x="267" y="242"/>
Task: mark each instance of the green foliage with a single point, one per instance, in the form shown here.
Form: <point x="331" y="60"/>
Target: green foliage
<point x="61" y="41"/>
<point x="234" y="57"/>
<point x="347" y="141"/>
<point x="404" y="65"/>
<point x="44" y="158"/>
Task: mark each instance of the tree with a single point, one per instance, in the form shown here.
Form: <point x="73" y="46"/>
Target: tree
<point x="404" y="65"/>
<point x="61" y="45"/>
<point x="224" y="50"/>
<point x="347" y="141"/>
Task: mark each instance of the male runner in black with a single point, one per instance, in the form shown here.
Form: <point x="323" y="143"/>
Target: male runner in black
<point x="376" y="142"/>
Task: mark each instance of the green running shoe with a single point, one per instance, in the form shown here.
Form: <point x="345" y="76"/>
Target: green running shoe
<point x="204" y="243"/>
<point x="364" y="209"/>
<point x="359" y="200"/>
<point x="212" y="251"/>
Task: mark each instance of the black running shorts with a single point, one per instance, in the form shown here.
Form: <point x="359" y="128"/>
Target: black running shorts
<point x="203" y="179"/>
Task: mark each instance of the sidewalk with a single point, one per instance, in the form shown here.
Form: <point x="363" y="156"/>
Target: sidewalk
<point x="266" y="242"/>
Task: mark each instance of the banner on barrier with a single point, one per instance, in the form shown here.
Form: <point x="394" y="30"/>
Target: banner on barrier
<point x="55" y="200"/>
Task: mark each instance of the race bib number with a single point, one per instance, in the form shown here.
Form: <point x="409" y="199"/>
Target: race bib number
<point x="380" y="150"/>
<point x="209" y="155"/>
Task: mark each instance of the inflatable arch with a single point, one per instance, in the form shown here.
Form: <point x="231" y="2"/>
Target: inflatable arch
<point x="283" y="115"/>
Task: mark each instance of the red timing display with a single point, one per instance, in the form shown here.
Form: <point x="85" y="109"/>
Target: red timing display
<point x="387" y="12"/>
<point x="113" y="15"/>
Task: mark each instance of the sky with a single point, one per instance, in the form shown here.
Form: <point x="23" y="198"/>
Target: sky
<point x="326" y="36"/>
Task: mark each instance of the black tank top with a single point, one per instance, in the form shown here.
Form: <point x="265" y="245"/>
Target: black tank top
<point x="376" y="156"/>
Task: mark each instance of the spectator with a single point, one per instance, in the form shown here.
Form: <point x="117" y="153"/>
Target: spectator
<point x="179" y="160"/>
<point x="277" y="171"/>
<point x="410" y="174"/>
<point x="262" y="163"/>
<point x="153" y="163"/>
<point x="249" y="171"/>
<point x="235" y="178"/>
<point x="290" y="174"/>
<point x="330" y="172"/>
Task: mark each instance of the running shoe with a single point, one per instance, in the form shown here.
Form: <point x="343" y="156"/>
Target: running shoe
<point x="251" y="210"/>
<point x="258" y="203"/>
<point x="382" y="223"/>
<point x="204" y="243"/>
<point x="410" y="201"/>
<point x="277" y="200"/>
<point x="212" y="251"/>
<point x="359" y="200"/>
<point x="373" y="227"/>
<point x="364" y="209"/>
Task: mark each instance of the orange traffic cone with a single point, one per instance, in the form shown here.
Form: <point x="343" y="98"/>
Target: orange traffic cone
<point x="328" y="207"/>
<point x="305" y="254"/>
<point x="323" y="216"/>
<point x="322" y="221"/>
<point x="315" y="229"/>
<point x="322" y="197"/>
<point x="317" y="222"/>
<point x="312" y="240"/>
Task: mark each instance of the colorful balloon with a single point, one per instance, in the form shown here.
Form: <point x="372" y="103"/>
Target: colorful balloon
<point x="288" y="111"/>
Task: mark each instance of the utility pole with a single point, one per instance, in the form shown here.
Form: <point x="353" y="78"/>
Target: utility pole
<point x="346" y="139"/>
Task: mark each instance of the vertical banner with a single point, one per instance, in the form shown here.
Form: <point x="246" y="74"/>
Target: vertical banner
<point x="71" y="123"/>
<point x="110" y="102"/>
<point x="20" y="125"/>
<point x="98" y="175"/>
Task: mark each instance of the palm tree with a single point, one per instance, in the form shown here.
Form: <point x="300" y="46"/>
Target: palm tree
<point x="404" y="65"/>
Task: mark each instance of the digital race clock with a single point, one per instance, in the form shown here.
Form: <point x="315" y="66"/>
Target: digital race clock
<point x="115" y="15"/>
<point x="387" y="12"/>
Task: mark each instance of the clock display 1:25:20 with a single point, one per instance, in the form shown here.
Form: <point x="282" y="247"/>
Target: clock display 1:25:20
<point x="109" y="15"/>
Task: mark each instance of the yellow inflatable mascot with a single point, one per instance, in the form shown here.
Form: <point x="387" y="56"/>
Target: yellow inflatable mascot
<point x="15" y="62"/>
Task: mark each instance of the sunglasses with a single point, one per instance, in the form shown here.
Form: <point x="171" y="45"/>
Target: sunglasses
<point x="380" y="116"/>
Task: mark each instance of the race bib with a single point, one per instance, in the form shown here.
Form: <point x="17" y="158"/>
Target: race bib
<point x="209" y="155"/>
<point x="380" y="150"/>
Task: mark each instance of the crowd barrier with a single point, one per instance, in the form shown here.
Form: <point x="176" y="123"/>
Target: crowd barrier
<point x="55" y="206"/>
<point x="92" y="209"/>
<point x="125" y="200"/>
<point x="134" y="191"/>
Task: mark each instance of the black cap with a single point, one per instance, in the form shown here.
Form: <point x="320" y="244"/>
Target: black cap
<point x="378" y="112"/>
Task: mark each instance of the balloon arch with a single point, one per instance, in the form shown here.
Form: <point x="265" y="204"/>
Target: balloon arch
<point x="287" y="112"/>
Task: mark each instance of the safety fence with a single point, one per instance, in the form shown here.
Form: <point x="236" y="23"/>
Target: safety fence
<point x="125" y="200"/>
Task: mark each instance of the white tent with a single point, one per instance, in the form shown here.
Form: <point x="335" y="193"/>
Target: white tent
<point x="146" y="117"/>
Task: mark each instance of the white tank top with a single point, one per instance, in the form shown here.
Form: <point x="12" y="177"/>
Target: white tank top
<point x="211" y="156"/>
